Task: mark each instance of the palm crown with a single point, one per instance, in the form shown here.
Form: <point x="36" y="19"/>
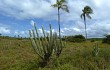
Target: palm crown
<point x="61" y="4"/>
<point x="86" y="12"/>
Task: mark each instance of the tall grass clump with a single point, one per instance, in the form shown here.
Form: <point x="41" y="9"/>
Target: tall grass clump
<point x="46" y="46"/>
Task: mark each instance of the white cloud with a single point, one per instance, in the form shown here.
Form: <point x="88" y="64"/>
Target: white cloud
<point x="4" y="30"/>
<point x="96" y="29"/>
<point x="99" y="28"/>
<point x="21" y="33"/>
<point x="42" y="9"/>
<point x="25" y="9"/>
<point x="32" y="22"/>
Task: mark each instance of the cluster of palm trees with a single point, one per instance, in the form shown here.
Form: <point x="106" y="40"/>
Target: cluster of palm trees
<point x="62" y="4"/>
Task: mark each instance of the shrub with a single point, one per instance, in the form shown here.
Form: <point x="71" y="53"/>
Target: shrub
<point x="92" y="40"/>
<point x="76" y="38"/>
<point x="106" y="39"/>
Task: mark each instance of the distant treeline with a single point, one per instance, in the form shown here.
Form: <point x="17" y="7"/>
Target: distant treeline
<point x="9" y="37"/>
<point x="76" y="38"/>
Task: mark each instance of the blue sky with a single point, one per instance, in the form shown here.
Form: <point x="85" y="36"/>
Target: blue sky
<point x="18" y="16"/>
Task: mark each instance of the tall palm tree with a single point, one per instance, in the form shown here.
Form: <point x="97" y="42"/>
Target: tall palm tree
<point x="60" y="4"/>
<point x="86" y="13"/>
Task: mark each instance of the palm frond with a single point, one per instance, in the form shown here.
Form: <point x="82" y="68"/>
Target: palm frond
<point x="65" y="8"/>
<point x="63" y="1"/>
<point x="82" y="15"/>
<point x="88" y="10"/>
<point x="88" y="16"/>
<point x="54" y="5"/>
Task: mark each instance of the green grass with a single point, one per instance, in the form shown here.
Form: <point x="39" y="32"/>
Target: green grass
<point x="19" y="55"/>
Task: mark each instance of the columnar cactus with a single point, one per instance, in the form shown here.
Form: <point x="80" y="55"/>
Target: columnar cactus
<point x="96" y="49"/>
<point x="47" y="45"/>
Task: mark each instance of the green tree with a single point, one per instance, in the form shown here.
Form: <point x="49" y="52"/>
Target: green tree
<point x="60" y="4"/>
<point x="0" y="34"/>
<point x="106" y="39"/>
<point x="86" y="13"/>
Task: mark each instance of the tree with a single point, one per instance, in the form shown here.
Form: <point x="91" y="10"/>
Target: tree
<point x="106" y="39"/>
<point x="76" y="38"/>
<point x="60" y="4"/>
<point x="0" y="34"/>
<point x="86" y="13"/>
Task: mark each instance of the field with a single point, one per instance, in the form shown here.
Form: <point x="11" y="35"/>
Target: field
<point x="19" y="55"/>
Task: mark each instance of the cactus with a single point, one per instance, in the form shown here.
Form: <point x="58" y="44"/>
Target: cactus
<point x="47" y="45"/>
<point x="95" y="49"/>
<point x="58" y="46"/>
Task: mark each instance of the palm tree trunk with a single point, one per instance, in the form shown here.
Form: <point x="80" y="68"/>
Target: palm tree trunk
<point x="60" y="48"/>
<point x="85" y="26"/>
<point x="59" y="22"/>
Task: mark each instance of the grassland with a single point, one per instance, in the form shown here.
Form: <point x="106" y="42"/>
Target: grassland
<point x="19" y="55"/>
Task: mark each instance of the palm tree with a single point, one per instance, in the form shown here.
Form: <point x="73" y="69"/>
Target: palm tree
<point x="86" y="13"/>
<point x="60" y="4"/>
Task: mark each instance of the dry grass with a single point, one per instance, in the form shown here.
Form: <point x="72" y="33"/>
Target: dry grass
<point x="19" y="55"/>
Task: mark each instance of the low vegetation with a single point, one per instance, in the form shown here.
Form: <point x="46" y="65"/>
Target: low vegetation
<point x="75" y="56"/>
<point x="76" y="38"/>
<point x="106" y="39"/>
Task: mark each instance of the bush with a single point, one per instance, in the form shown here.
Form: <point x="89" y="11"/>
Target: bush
<point x="95" y="39"/>
<point x="76" y="38"/>
<point x="106" y="39"/>
<point x="92" y="40"/>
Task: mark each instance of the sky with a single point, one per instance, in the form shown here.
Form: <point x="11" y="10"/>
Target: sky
<point x="18" y="16"/>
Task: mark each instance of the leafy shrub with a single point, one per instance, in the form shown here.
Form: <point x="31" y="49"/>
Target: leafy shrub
<point x="95" y="39"/>
<point x="92" y="40"/>
<point x="76" y="38"/>
<point x="106" y="39"/>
